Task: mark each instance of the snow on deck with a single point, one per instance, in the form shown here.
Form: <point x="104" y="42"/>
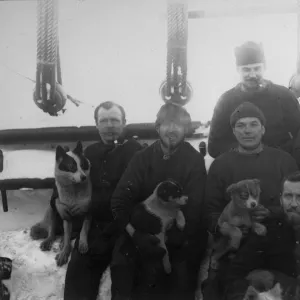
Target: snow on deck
<point x="35" y="275"/>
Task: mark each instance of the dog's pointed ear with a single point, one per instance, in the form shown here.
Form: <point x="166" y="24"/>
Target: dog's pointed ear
<point x="256" y="181"/>
<point x="251" y="293"/>
<point x="79" y="148"/>
<point x="231" y="188"/>
<point x="60" y="152"/>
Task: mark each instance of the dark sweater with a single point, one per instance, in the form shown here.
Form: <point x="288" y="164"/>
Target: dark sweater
<point x="279" y="106"/>
<point x="148" y="168"/>
<point x="107" y="166"/>
<point x="269" y="166"/>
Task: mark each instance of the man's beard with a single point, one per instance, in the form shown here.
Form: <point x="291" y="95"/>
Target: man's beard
<point x="294" y="217"/>
<point x="253" y="83"/>
<point x="170" y="146"/>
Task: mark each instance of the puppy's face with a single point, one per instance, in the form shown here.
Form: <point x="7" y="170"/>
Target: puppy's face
<point x="245" y="193"/>
<point x="170" y="193"/>
<point x="71" y="166"/>
<point x="274" y="294"/>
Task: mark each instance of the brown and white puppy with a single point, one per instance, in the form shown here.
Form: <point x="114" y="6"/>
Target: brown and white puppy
<point x="74" y="188"/>
<point x="245" y="196"/>
<point x="157" y="213"/>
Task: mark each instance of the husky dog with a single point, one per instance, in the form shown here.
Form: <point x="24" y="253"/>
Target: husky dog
<point x="74" y="188"/>
<point x="157" y="213"/>
<point x="245" y="196"/>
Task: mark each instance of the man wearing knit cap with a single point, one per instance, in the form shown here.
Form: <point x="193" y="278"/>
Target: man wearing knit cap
<point x="169" y="157"/>
<point x="279" y="105"/>
<point x="249" y="159"/>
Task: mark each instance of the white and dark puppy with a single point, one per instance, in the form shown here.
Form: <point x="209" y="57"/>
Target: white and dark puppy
<point x="74" y="188"/>
<point x="157" y="213"/>
<point x="245" y="196"/>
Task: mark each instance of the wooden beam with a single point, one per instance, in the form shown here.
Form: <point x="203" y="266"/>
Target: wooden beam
<point x="239" y="8"/>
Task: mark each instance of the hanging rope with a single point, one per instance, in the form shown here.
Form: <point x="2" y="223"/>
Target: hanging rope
<point x="176" y="88"/>
<point x="48" y="95"/>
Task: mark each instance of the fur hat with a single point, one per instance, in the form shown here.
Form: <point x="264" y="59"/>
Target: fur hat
<point x="249" y="53"/>
<point x="247" y="110"/>
<point x="173" y="112"/>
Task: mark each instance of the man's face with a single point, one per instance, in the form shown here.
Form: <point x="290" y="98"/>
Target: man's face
<point x="252" y="75"/>
<point x="171" y="133"/>
<point x="110" y="124"/>
<point x="249" y="132"/>
<point x="290" y="201"/>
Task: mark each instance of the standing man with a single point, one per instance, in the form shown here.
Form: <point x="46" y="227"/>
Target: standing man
<point x="278" y="104"/>
<point x="169" y="157"/>
<point x="109" y="159"/>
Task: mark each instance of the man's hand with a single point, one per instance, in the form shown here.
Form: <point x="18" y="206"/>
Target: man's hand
<point x="259" y="213"/>
<point x="148" y="245"/>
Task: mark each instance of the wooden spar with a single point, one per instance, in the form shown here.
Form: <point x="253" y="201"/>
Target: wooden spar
<point x="238" y="8"/>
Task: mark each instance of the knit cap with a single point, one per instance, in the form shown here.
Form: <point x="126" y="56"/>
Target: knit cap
<point x="247" y="110"/>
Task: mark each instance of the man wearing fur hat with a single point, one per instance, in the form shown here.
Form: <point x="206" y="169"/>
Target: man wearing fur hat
<point x="169" y="157"/>
<point x="248" y="160"/>
<point x="279" y="105"/>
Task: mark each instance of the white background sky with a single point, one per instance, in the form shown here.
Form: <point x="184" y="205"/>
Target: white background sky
<point x="116" y="50"/>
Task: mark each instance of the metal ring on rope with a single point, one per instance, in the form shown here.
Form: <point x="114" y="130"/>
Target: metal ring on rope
<point x="48" y="94"/>
<point x="176" y="88"/>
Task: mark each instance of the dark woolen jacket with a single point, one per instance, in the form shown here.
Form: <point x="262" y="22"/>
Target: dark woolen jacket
<point x="107" y="166"/>
<point x="146" y="170"/>
<point x="279" y="106"/>
<point x="269" y="166"/>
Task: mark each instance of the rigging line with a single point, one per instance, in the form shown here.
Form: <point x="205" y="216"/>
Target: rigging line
<point x="72" y="99"/>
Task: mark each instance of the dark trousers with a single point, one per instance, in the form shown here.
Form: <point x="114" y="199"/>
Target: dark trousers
<point x="275" y="251"/>
<point x="139" y="279"/>
<point x="84" y="271"/>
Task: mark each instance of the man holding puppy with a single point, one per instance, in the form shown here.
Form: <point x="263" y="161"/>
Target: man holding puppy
<point x="283" y="240"/>
<point x="250" y="159"/>
<point x="169" y="157"/>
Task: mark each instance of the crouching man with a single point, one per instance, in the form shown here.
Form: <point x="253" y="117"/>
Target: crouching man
<point x="169" y="157"/>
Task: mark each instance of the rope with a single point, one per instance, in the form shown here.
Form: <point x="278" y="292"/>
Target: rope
<point x="48" y="61"/>
<point x="298" y="36"/>
<point x="176" y="70"/>
<point x="177" y="44"/>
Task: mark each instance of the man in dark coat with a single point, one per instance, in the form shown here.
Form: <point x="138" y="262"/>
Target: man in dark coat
<point x="109" y="158"/>
<point x="169" y="157"/>
<point x="278" y="104"/>
<point x="250" y="159"/>
<point x="278" y="252"/>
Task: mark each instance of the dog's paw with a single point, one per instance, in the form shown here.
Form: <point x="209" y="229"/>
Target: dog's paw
<point x="214" y="265"/>
<point x="62" y="257"/>
<point x="235" y="244"/>
<point x="46" y="245"/>
<point x="198" y="295"/>
<point x="83" y="247"/>
<point x="260" y="230"/>
<point x="168" y="268"/>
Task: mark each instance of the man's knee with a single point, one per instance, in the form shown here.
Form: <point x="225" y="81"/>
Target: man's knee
<point x="78" y="260"/>
<point x="122" y="278"/>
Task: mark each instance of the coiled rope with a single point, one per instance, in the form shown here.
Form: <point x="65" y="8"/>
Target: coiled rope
<point x="176" y="88"/>
<point x="48" y="94"/>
